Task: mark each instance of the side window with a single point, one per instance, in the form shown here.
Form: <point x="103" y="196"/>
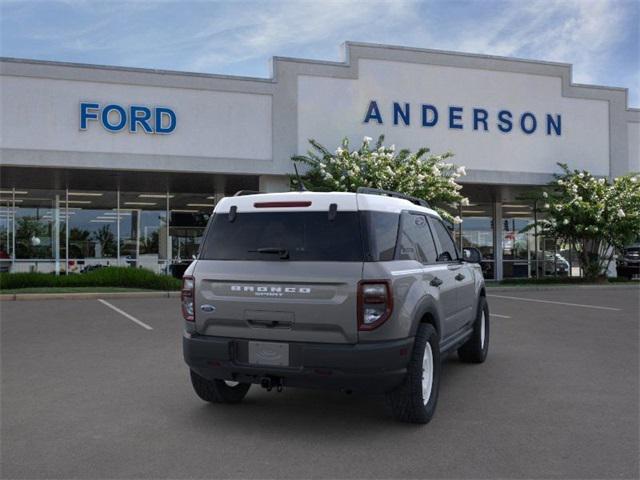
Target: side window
<point x="381" y="232"/>
<point x="415" y="241"/>
<point x="447" y="251"/>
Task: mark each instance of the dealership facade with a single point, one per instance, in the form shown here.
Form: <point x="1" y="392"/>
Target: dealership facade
<point x="122" y="166"/>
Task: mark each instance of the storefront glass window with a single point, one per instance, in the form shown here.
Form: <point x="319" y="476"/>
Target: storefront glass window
<point x="143" y="229"/>
<point x="518" y="240"/>
<point x="189" y="216"/>
<point x="38" y="223"/>
<point x="92" y="230"/>
<point x="477" y="231"/>
<point x="6" y="230"/>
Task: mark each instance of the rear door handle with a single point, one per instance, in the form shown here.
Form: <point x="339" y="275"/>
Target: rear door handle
<point x="459" y="277"/>
<point x="436" y="282"/>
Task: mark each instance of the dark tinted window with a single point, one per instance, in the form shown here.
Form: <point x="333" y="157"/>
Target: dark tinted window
<point x="447" y="251"/>
<point x="416" y="242"/>
<point x="306" y="236"/>
<point x="382" y="232"/>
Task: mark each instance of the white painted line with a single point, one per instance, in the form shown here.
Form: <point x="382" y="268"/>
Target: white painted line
<point x="499" y="316"/>
<point x="125" y="314"/>
<point x="556" y="303"/>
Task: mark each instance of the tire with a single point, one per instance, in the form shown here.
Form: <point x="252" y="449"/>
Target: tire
<point x="218" y="391"/>
<point x="476" y="348"/>
<point x="415" y="400"/>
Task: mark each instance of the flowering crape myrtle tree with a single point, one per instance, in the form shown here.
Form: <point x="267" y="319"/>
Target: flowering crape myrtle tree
<point x="593" y="215"/>
<point x="430" y="177"/>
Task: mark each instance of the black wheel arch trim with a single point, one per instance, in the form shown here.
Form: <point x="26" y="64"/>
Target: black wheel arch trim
<point x="427" y="307"/>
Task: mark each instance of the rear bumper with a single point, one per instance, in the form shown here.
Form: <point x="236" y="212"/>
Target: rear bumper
<point x="366" y="367"/>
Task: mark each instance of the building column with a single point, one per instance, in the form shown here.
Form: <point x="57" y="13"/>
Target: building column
<point x="55" y="244"/>
<point x="497" y="238"/>
<point x="274" y="183"/>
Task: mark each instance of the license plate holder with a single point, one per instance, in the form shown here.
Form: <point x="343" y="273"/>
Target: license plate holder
<point x="269" y="353"/>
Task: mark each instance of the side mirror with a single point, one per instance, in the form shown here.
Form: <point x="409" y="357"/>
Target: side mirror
<point x="472" y="255"/>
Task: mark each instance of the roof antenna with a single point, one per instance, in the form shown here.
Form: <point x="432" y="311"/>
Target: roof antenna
<point x="301" y="187"/>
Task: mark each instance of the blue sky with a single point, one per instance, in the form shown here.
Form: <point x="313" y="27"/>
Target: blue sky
<point x="600" y="38"/>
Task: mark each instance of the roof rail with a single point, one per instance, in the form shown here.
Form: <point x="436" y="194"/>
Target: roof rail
<point x="242" y="193"/>
<point x="389" y="193"/>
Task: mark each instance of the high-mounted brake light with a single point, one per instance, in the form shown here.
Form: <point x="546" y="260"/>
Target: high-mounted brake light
<point x="375" y="303"/>
<point x="281" y="204"/>
<point x="187" y="296"/>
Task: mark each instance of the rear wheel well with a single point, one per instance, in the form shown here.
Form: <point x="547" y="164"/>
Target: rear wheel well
<point x="430" y="319"/>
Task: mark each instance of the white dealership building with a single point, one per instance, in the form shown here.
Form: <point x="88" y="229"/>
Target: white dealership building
<point x="106" y="165"/>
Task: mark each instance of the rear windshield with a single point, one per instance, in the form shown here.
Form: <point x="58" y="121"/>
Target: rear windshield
<point x="278" y="236"/>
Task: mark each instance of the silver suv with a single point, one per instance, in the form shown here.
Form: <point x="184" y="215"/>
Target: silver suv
<point x="351" y="291"/>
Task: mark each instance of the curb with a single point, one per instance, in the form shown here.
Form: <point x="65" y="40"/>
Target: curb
<point x="85" y="296"/>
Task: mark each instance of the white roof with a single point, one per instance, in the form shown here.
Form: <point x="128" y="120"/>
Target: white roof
<point x="318" y="201"/>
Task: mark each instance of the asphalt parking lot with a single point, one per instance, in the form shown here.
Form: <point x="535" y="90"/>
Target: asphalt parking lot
<point x="87" y="392"/>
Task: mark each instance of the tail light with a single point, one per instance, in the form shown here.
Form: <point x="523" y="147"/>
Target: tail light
<point x="375" y="303"/>
<point x="187" y="297"/>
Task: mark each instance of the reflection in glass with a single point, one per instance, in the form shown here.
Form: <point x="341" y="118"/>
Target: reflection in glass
<point x="37" y="227"/>
<point x="189" y="216"/>
<point x="92" y="230"/>
<point x="6" y="231"/>
<point x="477" y="232"/>
<point x="518" y="240"/>
<point x="143" y="229"/>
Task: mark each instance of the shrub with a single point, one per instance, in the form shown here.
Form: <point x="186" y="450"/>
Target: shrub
<point x="593" y="215"/>
<point x="102" y="277"/>
<point x="420" y="174"/>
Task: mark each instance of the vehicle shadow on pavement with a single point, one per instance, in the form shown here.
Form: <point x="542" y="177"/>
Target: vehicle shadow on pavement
<point x="308" y="411"/>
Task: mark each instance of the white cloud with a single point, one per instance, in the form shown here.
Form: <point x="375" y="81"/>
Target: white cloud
<point x="581" y="32"/>
<point x="277" y="26"/>
<point x="218" y="37"/>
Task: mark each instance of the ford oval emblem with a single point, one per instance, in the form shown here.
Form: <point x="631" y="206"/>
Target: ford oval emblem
<point x="207" y="308"/>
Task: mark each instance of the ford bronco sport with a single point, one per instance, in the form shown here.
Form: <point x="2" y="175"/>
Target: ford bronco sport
<point x="352" y="291"/>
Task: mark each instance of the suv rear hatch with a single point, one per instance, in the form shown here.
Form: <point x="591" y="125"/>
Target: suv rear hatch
<point x="281" y="270"/>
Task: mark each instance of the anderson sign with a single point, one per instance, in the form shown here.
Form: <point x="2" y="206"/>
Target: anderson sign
<point x="460" y="118"/>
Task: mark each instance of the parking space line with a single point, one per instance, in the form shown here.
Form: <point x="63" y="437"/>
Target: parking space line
<point x="499" y="316"/>
<point x="556" y="303"/>
<point x="125" y="314"/>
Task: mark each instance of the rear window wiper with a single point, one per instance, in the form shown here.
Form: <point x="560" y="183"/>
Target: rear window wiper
<point x="283" y="252"/>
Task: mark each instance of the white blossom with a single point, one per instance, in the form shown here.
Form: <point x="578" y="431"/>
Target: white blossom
<point x="457" y="220"/>
<point x="339" y="151"/>
<point x="565" y="221"/>
<point x="546" y="205"/>
<point x="464" y="202"/>
<point x="545" y="195"/>
<point x="367" y="139"/>
<point x="459" y="170"/>
<point x="621" y="213"/>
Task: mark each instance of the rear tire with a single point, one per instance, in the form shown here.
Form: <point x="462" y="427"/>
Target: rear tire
<point x="218" y="391"/>
<point x="415" y="400"/>
<point x="476" y="348"/>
